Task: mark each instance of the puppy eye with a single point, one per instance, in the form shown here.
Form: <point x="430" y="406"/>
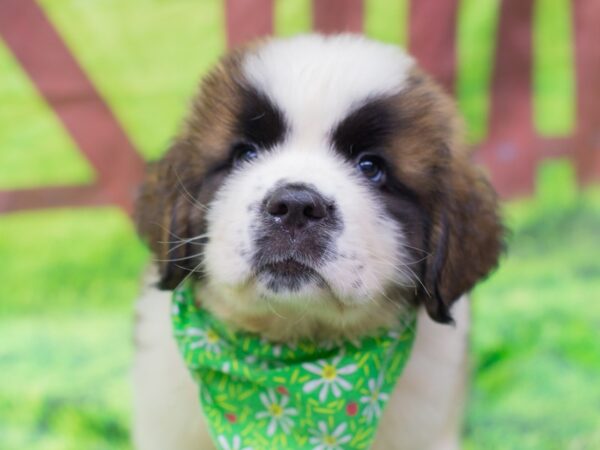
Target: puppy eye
<point x="371" y="167"/>
<point x="244" y="152"/>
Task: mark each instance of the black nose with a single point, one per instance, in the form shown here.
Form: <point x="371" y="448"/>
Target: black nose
<point x="296" y="205"/>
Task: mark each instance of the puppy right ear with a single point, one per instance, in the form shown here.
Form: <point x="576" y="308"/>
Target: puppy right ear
<point x="164" y="217"/>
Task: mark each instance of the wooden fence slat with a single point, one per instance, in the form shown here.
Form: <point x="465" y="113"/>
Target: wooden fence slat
<point x="335" y="16"/>
<point x="247" y="19"/>
<point x="432" y="38"/>
<point x="587" y="56"/>
<point x="511" y="149"/>
<point x="64" y="85"/>
<point x="52" y="197"/>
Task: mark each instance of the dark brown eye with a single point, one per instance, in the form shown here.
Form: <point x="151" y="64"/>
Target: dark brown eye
<point x="371" y="168"/>
<point x="244" y="152"/>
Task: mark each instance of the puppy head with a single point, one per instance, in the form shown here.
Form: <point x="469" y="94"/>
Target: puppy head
<point x="321" y="178"/>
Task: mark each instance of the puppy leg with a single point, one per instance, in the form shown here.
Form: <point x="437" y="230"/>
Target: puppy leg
<point x="426" y="408"/>
<point x="167" y="411"/>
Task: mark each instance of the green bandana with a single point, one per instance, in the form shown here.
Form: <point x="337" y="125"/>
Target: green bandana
<point x="258" y="395"/>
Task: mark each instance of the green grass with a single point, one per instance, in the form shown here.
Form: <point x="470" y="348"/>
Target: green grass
<point x="65" y="381"/>
<point x="65" y="326"/>
<point x="535" y="338"/>
<point x="68" y="260"/>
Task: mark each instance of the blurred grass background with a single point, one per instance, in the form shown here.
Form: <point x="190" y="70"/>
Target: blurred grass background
<point x="69" y="277"/>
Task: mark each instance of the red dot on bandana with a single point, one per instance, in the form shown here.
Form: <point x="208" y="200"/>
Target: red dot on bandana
<point x="351" y="409"/>
<point x="282" y="390"/>
<point x="231" y="417"/>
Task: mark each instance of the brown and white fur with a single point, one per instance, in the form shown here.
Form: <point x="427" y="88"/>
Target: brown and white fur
<point x="319" y="189"/>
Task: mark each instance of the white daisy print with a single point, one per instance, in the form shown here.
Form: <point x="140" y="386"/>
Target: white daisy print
<point x="323" y="439"/>
<point x="178" y="298"/>
<point x="373" y="400"/>
<point x="236" y="443"/>
<point x="206" y="339"/>
<point x="393" y="334"/>
<point x="226" y="367"/>
<point x="277" y="349"/>
<point x="205" y="395"/>
<point x="330" y="344"/>
<point x="275" y="409"/>
<point x="329" y="377"/>
<point x="253" y="360"/>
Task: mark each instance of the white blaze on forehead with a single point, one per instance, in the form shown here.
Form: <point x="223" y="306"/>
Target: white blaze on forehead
<point x="316" y="80"/>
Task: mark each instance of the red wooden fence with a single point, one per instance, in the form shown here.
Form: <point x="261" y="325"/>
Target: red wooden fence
<point x="511" y="151"/>
<point x="84" y="114"/>
<point x="586" y="143"/>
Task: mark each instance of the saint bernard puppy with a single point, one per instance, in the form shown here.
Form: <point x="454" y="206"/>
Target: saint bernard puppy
<point x="319" y="188"/>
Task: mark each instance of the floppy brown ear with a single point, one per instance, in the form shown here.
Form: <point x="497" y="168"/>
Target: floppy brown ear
<point x="166" y="216"/>
<point x="466" y="238"/>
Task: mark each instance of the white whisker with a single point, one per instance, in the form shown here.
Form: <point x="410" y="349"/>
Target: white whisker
<point x="195" y="203"/>
<point x="183" y="258"/>
<point x="200" y="236"/>
<point x="188" y="241"/>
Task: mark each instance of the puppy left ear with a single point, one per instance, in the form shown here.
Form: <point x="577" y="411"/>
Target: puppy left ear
<point x="166" y="217"/>
<point x="466" y="238"/>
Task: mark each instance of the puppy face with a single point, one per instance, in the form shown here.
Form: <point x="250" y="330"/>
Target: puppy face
<point x="320" y="179"/>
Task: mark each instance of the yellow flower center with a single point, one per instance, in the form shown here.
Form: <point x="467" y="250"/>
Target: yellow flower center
<point x="275" y="410"/>
<point x="329" y="440"/>
<point x="212" y="337"/>
<point x="329" y="372"/>
<point x="375" y="396"/>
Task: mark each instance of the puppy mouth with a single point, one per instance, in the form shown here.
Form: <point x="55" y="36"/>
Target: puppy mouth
<point x="288" y="275"/>
<point x="287" y="267"/>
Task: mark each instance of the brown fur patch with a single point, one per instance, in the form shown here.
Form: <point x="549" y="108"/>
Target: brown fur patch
<point x="464" y="235"/>
<point x="172" y="201"/>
